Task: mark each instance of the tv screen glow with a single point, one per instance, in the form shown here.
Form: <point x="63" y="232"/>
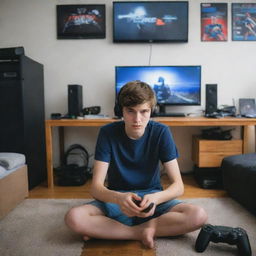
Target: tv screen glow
<point x="173" y="85"/>
<point x="161" y="21"/>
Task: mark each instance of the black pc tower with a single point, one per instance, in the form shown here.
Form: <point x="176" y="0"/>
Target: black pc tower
<point x="22" y="111"/>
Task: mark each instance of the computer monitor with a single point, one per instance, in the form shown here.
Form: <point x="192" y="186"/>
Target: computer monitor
<point x="173" y="85"/>
<point x="150" y="21"/>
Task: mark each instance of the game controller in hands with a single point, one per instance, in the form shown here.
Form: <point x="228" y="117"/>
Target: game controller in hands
<point x="137" y="202"/>
<point x="233" y="236"/>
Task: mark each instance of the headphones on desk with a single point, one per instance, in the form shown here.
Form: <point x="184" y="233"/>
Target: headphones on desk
<point x="118" y="111"/>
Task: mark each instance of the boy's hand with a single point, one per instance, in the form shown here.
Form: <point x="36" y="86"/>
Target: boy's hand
<point x="146" y="210"/>
<point x="133" y="205"/>
<point x="148" y="205"/>
<point x="127" y="205"/>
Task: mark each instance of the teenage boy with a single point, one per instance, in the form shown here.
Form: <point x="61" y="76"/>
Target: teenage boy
<point x="132" y="205"/>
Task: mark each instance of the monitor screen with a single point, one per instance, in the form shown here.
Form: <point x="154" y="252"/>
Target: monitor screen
<point x="161" y="21"/>
<point x="173" y="85"/>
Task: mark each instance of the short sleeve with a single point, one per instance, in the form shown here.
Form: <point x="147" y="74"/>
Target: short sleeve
<point x="103" y="147"/>
<point x="167" y="148"/>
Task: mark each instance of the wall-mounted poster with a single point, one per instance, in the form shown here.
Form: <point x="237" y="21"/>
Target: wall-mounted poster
<point x="244" y="21"/>
<point x="214" y="22"/>
<point x="81" y="21"/>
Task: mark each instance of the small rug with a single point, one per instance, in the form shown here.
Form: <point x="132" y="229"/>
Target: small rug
<point x="221" y="212"/>
<point x="36" y="228"/>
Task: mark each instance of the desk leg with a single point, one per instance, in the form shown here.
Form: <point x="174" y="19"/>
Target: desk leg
<point x="248" y="139"/>
<point x="48" y="137"/>
<point x="61" y="143"/>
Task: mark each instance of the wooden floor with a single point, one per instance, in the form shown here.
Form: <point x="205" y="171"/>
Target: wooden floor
<point x="119" y="248"/>
<point x="192" y="190"/>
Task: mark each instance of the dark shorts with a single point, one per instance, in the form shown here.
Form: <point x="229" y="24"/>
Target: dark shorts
<point x="113" y="211"/>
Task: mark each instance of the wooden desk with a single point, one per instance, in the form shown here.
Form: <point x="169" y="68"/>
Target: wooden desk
<point x="246" y="123"/>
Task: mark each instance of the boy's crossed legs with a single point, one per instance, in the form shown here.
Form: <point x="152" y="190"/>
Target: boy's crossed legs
<point x="89" y="221"/>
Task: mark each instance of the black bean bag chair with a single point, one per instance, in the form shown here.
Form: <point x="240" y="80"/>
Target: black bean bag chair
<point x="239" y="179"/>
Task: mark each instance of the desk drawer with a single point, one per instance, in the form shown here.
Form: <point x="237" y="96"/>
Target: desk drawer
<point x="209" y="153"/>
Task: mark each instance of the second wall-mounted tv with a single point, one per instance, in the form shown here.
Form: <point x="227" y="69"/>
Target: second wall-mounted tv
<point x="150" y="21"/>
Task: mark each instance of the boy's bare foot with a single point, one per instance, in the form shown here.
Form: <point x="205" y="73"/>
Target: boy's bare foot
<point x="148" y="237"/>
<point x="86" y="238"/>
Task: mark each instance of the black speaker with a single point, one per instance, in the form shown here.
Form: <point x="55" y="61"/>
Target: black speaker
<point x="22" y="113"/>
<point x="211" y="100"/>
<point x="75" y="99"/>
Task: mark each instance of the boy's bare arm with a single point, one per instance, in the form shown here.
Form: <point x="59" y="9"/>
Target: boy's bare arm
<point x="174" y="190"/>
<point x="176" y="187"/>
<point x="101" y="192"/>
<point x="98" y="189"/>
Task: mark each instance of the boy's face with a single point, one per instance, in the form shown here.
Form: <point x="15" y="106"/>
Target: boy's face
<point x="136" y="119"/>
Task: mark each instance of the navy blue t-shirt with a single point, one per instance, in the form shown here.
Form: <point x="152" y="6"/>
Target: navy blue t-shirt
<point x="134" y="164"/>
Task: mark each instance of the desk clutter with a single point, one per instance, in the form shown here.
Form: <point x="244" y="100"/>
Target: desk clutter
<point x="75" y="106"/>
<point x="59" y="116"/>
<point x="247" y="108"/>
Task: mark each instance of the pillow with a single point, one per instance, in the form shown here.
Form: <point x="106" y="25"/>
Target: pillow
<point x="11" y="160"/>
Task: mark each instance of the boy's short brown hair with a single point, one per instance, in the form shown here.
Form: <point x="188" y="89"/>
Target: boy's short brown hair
<point x="136" y="92"/>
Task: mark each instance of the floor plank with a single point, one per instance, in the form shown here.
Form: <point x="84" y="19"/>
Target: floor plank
<point x="114" y="247"/>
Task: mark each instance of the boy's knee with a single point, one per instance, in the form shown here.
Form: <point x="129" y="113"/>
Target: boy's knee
<point x="199" y="217"/>
<point x="71" y="218"/>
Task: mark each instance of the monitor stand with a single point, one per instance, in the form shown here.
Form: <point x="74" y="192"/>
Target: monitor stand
<point x="162" y="112"/>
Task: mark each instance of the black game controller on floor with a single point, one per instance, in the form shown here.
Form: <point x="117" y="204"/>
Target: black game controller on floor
<point x="137" y="202"/>
<point x="223" y="234"/>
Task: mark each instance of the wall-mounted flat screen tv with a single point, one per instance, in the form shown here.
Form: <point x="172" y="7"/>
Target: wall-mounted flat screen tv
<point x="150" y="21"/>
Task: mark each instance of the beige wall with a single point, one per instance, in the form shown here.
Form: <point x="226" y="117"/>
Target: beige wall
<point x="91" y="62"/>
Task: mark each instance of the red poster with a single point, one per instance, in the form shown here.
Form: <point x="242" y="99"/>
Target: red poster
<point x="214" y="22"/>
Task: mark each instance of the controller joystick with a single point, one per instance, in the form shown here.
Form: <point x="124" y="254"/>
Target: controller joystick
<point x="137" y="202"/>
<point x="233" y="236"/>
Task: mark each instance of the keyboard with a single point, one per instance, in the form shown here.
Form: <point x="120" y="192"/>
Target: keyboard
<point x="250" y="115"/>
<point x="169" y="115"/>
<point x="96" y="116"/>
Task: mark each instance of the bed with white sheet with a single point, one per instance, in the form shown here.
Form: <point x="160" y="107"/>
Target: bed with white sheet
<point x="13" y="181"/>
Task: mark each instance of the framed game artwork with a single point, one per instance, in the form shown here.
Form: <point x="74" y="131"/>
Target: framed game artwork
<point x="214" y="22"/>
<point x="81" y="21"/>
<point x="244" y="21"/>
